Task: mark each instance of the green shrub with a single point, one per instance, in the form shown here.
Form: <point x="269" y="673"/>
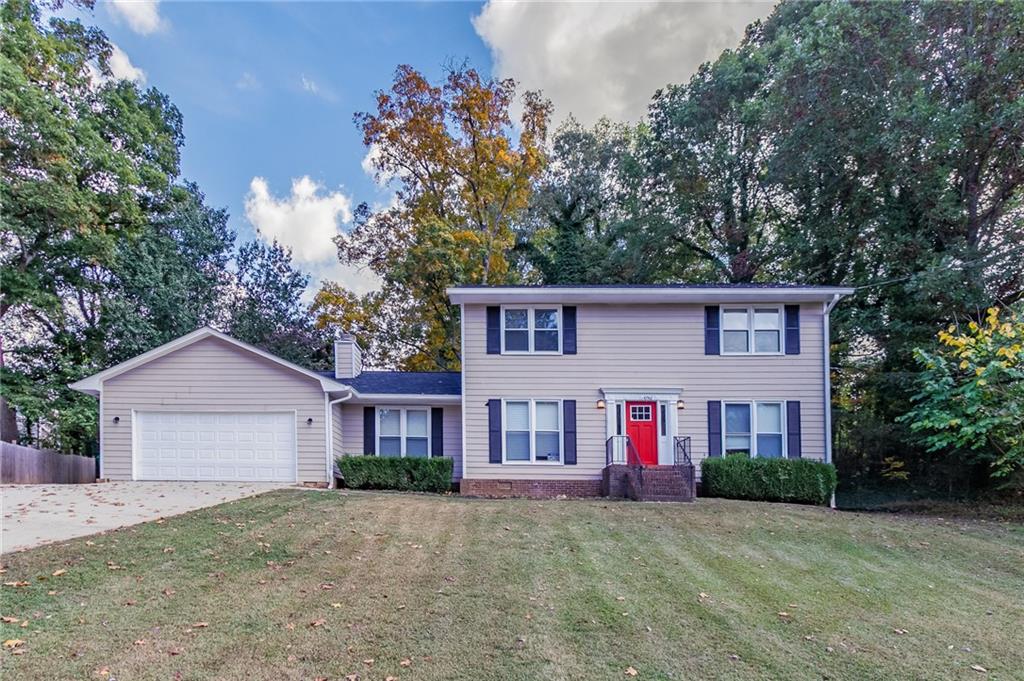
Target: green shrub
<point x="409" y="475"/>
<point x="797" y="481"/>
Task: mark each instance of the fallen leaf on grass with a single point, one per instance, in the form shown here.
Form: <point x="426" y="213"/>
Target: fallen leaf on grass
<point x="140" y="642"/>
<point x="318" y="623"/>
<point x="168" y="549"/>
<point x="352" y="677"/>
<point x="16" y="584"/>
<point x="335" y="605"/>
<point x="175" y="651"/>
<point x="368" y="662"/>
<point x="9" y="620"/>
<point x="900" y="632"/>
<point x="102" y="671"/>
<point x="976" y="667"/>
<point x="631" y="672"/>
<point x="407" y="662"/>
<point x="58" y="573"/>
<point x="12" y="643"/>
<point x="168" y="592"/>
<point x="200" y="625"/>
<point x="784" y="615"/>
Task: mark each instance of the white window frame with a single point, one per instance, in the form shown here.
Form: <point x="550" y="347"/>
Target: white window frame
<point x="530" y="328"/>
<point x="752" y="405"/>
<point x="533" y="432"/>
<point x="751" y="330"/>
<point x="402" y="428"/>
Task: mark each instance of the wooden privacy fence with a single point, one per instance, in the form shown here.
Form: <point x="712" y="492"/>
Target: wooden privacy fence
<point x="26" y="465"/>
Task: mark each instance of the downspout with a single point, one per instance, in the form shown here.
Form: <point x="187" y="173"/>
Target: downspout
<point x="330" y="436"/>
<point x="827" y="368"/>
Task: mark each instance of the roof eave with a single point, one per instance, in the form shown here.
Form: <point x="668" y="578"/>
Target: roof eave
<point x="571" y="294"/>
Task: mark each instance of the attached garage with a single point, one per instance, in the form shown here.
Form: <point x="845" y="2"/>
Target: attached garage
<point x="233" y="446"/>
<point x="209" y="407"/>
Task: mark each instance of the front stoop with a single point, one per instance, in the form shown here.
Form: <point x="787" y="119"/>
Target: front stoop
<point x="649" y="483"/>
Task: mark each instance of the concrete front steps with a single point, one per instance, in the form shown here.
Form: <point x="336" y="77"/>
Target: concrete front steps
<point x="650" y="483"/>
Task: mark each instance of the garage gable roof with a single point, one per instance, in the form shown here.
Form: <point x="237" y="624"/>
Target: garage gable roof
<point x="94" y="383"/>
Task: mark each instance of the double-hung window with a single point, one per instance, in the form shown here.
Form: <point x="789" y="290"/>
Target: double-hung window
<point x="533" y="431"/>
<point x="754" y="429"/>
<point x="403" y="432"/>
<point x="751" y="330"/>
<point x="531" y="330"/>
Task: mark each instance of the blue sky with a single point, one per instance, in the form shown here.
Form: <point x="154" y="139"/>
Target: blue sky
<point x="268" y="90"/>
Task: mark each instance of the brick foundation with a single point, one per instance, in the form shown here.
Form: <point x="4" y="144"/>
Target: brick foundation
<point x="534" y="489"/>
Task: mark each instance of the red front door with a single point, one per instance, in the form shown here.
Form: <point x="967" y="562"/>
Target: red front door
<point x="642" y="428"/>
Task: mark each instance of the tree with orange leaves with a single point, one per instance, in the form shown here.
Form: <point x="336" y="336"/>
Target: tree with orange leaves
<point x="463" y="173"/>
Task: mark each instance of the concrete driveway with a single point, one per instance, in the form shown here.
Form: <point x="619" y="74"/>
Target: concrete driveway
<point x="39" y="514"/>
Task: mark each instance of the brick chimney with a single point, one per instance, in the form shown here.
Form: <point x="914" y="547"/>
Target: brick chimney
<point x="348" y="357"/>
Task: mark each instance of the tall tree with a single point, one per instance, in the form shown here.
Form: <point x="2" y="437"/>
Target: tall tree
<point x="266" y="307"/>
<point x="707" y="165"/>
<point x="464" y="174"/>
<point x="588" y="221"/>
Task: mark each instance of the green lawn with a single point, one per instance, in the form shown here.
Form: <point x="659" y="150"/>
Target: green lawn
<point x="309" y="584"/>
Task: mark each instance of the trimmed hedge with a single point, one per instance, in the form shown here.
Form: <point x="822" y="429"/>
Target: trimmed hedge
<point x="798" y="481"/>
<point x="408" y="475"/>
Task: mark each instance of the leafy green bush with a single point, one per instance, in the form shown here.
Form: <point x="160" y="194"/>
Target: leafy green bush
<point x="409" y="474"/>
<point x="798" y="481"/>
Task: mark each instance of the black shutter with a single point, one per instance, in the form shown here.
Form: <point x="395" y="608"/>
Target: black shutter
<point x="793" y="429"/>
<point x="493" y="330"/>
<point x="711" y="340"/>
<point x="792" y="329"/>
<point x="569" y="431"/>
<point x="436" y="431"/>
<point x="369" y="430"/>
<point x="714" y="428"/>
<point x="569" y="332"/>
<point x="494" y="430"/>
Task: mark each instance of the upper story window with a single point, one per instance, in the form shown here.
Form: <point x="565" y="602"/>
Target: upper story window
<point x="751" y="330"/>
<point x="531" y="329"/>
<point x="403" y="432"/>
<point x="754" y="429"/>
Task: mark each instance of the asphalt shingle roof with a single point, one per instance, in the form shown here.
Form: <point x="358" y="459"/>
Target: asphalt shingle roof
<point x="405" y="382"/>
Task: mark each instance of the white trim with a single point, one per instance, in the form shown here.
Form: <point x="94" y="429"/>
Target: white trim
<point x="462" y="384"/>
<point x="531" y="311"/>
<point x="569" y="295"/>
<point x="400" y="399"/>
<point x="752" y="404"/>
<point x="93" y="384"/>
<point x="532" y="402"/>
<point x="751" y="311"/>
<point x="134" y="443"/>
<point x="102" y="425"/>
<point x="403" y="434"/>
<point x="330" y="435"/>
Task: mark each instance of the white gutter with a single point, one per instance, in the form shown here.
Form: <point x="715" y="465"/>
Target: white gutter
<point x="827" y="369"/>
<point x="330" y="435"/>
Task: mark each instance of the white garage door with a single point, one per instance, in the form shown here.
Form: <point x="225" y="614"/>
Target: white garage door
<point x="215" y="446"/>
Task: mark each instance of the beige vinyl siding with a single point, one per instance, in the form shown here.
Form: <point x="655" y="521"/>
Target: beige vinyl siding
<point x="211" y="375"/>
<point x="639" y="347"/>
<point x="352" y="432"/>
<point x="337" y="415"/>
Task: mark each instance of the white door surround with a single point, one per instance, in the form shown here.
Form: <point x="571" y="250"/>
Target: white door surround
<point x="667" y="400"/>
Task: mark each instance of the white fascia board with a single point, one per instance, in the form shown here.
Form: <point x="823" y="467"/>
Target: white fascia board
<point x="654" y="294"/>
<point x="92" y="384"/>
<point x="400" y="398"/>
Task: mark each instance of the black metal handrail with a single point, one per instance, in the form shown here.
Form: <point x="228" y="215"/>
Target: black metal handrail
<point x="619" y="449"/>
<point x="681" y="450"/>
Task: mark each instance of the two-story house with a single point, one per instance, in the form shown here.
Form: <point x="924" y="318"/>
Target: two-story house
<point x="558" y="385"/>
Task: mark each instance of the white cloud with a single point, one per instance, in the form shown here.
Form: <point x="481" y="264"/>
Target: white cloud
<point x="318" y="89"/>
<point x="372" y="155"/>
<point x="607" y="59"/>
<point x="123" y="69"/>
<point x="307" y="221"/>
<point x="248" y="82"/>
<point x="142" y="16"/>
